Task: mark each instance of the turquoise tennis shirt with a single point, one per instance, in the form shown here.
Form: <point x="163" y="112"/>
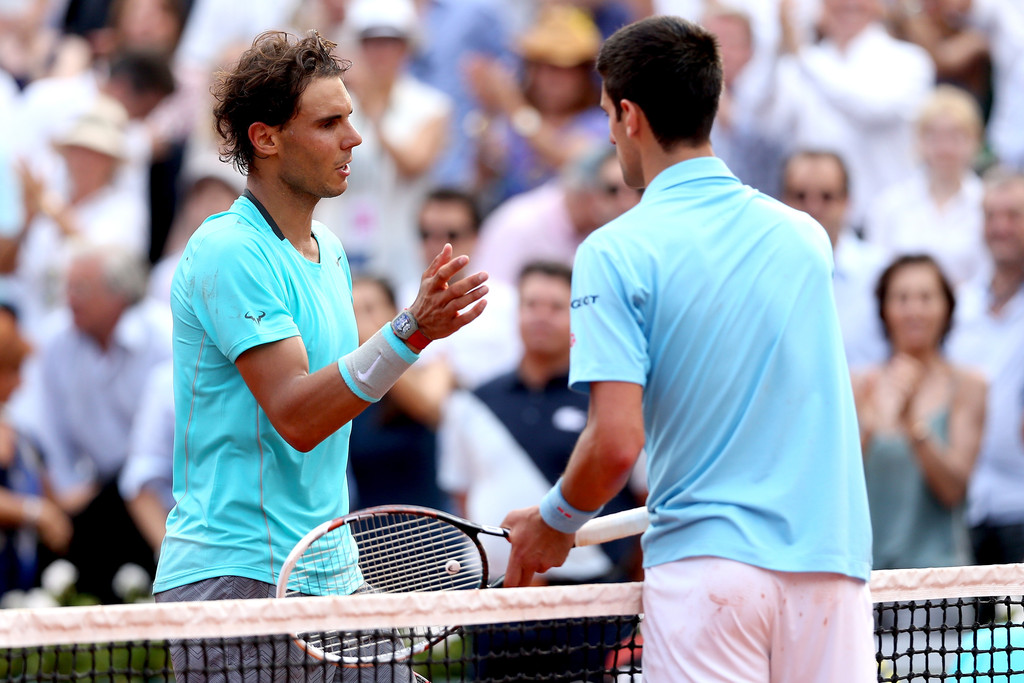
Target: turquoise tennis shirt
<point x="244" y="497"/>
<point x="717" y="300"/>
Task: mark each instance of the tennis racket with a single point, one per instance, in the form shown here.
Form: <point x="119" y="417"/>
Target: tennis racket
<point x="400" y="549"/>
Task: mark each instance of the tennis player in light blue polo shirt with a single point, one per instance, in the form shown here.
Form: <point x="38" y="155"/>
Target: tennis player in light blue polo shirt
<point x="705" y="330"/>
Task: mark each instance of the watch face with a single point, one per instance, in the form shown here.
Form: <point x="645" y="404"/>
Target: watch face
<point x="403" y="325"/>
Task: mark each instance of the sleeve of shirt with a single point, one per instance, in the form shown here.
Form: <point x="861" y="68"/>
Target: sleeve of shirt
<point x="150" y="457"/>
<point x="607" y="318"/>
<point x="453" y="468"/>
<point x="237" y="294"/>
<point x="866" y="97"/>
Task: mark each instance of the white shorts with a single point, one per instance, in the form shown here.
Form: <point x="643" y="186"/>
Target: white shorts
<point x="710" y="619"/>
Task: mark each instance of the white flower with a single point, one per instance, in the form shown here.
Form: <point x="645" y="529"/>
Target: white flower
<point x="131" y="581"/>
<point x="58" y="577"/>
<point x="12" y="599"/>
<point x="38" y="597"/>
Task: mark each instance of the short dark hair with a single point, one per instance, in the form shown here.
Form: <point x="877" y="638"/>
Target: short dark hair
<point x="885" y="281"/>
<point x="143" y="71"/>
<point x="844" y="171"/>
<point x="457" y="196"/>
<point x="265" y="86"/>
<point x="671" y="69"/>
<point x="548" y="268"/>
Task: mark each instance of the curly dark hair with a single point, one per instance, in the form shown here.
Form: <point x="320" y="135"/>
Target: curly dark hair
<point x="265" y="86"/>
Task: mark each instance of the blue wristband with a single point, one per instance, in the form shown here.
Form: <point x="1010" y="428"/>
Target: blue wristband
<point x="559" y="515"/>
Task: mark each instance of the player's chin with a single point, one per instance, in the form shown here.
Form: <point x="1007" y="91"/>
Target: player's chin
<point x="334" y="189"/>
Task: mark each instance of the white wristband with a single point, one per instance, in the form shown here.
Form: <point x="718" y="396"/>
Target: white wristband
<point x="375" y="366"/>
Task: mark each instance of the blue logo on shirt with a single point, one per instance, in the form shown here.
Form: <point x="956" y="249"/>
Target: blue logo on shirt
<point x="584" y="300"/>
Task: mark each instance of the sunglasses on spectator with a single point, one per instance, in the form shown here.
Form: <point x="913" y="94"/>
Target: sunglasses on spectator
<point x="443" y="235"/>
<point x="804" y="195"/>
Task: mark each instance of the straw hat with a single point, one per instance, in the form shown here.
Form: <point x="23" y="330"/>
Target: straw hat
<point x="101" y="129"/>
<point x="561" y="36"/>
<point x="383" y="18"/>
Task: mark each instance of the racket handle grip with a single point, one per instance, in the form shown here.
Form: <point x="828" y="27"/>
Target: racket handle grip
<point x="613" y="527"/>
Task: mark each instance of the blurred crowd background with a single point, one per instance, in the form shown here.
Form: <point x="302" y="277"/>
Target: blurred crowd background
<point x="897" y="124"/>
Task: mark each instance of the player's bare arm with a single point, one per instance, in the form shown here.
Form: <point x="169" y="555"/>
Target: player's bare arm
<point x="598" y="469"/>
<point x="305" y="408"/>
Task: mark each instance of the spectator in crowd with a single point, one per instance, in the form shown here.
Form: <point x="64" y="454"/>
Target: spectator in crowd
<point x="137" y="79"/>
<point x="533" y="127"/>
<point x="816" y="182"/>
<point x="738" y="137"/>
<point x="854" y="92"/>
<point x="393" y="446"/>
<point x="32" y="45"/>
<point x="479" y="352"/>
<point x="403" y="123"/>
<point x="154" y="25"/>
<point x="93" y="369"/>
<point x="550" y="222"/>
<point x="93" y="207"/>
<point x="989" y="334"/>
<point x="960" y="52"/>
<point x="921" y="419"/>
<point x="937" y="209"/>
<point x="455" y="33"/>
<point x="1001" y="23"/>
<point x="28" y="516"/>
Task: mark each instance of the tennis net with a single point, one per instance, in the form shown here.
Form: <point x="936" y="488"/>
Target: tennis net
<point x="950" y="624"/>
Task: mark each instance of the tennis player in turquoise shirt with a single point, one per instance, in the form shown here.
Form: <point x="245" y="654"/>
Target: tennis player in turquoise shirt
<point x="268" y="371"/>
<point x="705" y="331"/>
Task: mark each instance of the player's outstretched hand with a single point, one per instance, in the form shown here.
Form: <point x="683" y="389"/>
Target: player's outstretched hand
<point x="439" y="305"/>
<point x="536" y="547"/>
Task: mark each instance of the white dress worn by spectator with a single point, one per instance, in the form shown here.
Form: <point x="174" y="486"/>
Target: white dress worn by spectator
<point x="859" y="103"/>
<point x="906" y="220"/>
<point x="376" y="217"/>
<point x="995" y="345"/>
<point x="857" y="267"/>
<point x="88" y="396"/>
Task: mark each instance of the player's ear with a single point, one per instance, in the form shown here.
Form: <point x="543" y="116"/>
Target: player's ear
<point x="632" y="117"/>
<point x="263" y="139"/>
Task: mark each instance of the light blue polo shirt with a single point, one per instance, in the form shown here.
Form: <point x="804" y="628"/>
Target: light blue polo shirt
<point x="718" y="301"/>
<point x="244" y="496"/>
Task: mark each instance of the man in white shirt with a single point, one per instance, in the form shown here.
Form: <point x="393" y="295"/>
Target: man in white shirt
<point x="92" y="370"/>
<point x="988" y="332"/>
<point x="816" y="182"/>
<point x="855" y="92"/>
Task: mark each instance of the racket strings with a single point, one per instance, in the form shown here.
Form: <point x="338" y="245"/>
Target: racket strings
<point x="386" y="553"/>
<point x="393" y="553"/>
